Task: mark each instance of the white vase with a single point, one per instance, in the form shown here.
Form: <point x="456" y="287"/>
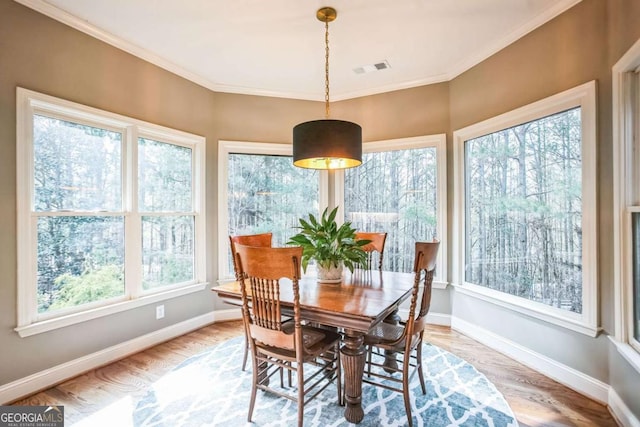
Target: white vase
<point x="332" y="274"/>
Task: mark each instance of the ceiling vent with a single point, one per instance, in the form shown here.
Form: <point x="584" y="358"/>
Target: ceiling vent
<point x="382" y="65"/>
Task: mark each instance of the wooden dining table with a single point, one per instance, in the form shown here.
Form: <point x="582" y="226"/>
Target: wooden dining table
<point x="362" y="300"/>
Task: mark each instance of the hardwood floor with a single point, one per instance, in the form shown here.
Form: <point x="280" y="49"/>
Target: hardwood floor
<point x="105" y="392"/>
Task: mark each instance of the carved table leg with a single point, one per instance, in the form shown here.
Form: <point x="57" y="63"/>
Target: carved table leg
<point x="353" y="358"/>
<point x="390" y="364"/>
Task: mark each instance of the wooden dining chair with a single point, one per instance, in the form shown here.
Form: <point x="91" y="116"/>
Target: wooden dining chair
<point x="312" y="354"/>
<point x="377" y="241"/>
<point x="262" y="240"/>
<point x="406" y="338"/>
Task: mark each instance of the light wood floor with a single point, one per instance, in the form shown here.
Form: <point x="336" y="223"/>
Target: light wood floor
<point x="535" y="399"/>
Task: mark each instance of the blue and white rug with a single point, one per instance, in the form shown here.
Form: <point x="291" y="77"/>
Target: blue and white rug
<point x="210" y="390"/>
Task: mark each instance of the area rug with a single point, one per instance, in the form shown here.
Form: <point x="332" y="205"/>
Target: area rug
<point x="210" y="389"/>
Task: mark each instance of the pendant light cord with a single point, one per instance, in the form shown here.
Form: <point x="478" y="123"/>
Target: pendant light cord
<point x="326" y="70"/>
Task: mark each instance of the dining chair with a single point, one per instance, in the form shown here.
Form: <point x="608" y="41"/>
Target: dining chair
<point x="406" y="338"/>
<point x="377" y="241"/>
<point x="313" y="354"/>
<point x="262" y="240"/>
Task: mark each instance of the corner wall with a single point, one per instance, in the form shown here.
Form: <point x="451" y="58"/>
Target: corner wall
<point x="578" y="46"/>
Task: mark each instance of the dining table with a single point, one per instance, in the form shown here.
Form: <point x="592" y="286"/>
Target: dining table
<point x="360" y="301"/>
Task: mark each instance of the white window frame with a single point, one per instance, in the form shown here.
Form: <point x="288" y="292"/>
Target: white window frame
<point x="256" y="148"/>
<point x="583" y="96"/>
<point x="29" y="321"/>
<point x="626" y="158"/>
<point x="439" y="142"/>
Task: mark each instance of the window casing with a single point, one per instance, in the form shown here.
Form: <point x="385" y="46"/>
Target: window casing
<point x="261" y="191"/>
<point x="490" y="139"/>
<point x="626" y="206"/>
<point x="97" y="233"/>
<point x="400" y="189"/>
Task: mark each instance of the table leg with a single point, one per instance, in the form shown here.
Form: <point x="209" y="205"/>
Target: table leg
<point x="353" y="358"/>
<point x="390" y="365"/>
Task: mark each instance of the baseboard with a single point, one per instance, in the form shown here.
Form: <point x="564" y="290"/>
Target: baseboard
<point x="432" y="318"/>
<point x="439" y="319"/>
<point x="228" y="314"/>
<point x="47" y="378"/>
<point x="572" y="378"/>
<point x="621" y="411"/>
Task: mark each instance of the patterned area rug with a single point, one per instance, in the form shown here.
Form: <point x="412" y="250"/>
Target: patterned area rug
<point x="210" y="390"/>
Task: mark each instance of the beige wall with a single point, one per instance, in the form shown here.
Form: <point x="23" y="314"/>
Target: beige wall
<point x="43" y="55"/>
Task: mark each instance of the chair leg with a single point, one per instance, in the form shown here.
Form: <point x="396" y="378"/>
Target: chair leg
<point x="300" y="373"/>
<point x="254" y="387"/>
<point x="405" y="387"/>
<point x="281" y="377"/>
<point x="369" y="352"/>
<point x="419" y="363"/>
<point x="246" y="352"/>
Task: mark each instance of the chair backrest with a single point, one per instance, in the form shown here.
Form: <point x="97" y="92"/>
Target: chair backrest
<point x="260" y="271"/>
<point x="262" y="240"/>
<point x="376" y="245"/>
<point x="424" y="266"/>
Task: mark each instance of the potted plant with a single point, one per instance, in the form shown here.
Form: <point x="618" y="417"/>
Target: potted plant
<point x="331" y="247"/>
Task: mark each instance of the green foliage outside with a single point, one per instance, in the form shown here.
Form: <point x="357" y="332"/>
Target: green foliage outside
<point x="80" y="225"/>
<point x="104" y="283"/>
<point x="523" y="203"/>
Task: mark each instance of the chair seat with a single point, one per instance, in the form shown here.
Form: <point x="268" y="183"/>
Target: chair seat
<point x="383" y="332"/>
<point x="315" y="341"/>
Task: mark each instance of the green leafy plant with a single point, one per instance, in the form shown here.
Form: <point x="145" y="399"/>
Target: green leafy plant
<point x="328" y="244"/>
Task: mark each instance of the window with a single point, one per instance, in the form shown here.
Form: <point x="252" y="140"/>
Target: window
<point x="261" y="191"/>
<point x="525" y="210"/>
<point x="635" y="265"/>
<point x="400" y="189"/>
<point x="108" y="213"/>
<point x="626" y="209"/>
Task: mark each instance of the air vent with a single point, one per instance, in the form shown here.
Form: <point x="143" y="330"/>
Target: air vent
<point x="382" y="65"/>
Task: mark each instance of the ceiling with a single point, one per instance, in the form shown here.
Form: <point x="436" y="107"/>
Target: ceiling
<point x="276" y="48"/>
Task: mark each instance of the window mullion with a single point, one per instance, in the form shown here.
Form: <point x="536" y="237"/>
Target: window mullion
<point x="132" y="218"/>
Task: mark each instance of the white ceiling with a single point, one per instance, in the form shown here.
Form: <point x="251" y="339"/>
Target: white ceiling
<point x="276" y="47"/>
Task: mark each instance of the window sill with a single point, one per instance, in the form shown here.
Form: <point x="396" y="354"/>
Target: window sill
<point x="628" y="353"/>
<point x="528" y="308"/>
<point x="439" y="285"/>
<point x="95" y="313"/>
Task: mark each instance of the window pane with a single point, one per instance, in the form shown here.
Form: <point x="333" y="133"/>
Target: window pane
<point x="524" y="211"/>
<point x="269" y="194"/>
<point x="165" y="177"/>
<point x="76" y="167"/>
<point x="80" y="260"/>
<point x="167" y="250"/>
<point x="635" y="219"/>
<point x="394" y="191"/>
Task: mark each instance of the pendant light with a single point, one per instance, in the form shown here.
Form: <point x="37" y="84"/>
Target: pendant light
<point x="328" y="143"/>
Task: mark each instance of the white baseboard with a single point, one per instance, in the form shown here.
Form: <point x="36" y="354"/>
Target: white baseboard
<point x="566" y="375"/>
<point x="47" y="378"/>
<point x="439" y="319"/>
<point x="228" y="314"/>
<point x="432" y="318"/>
<point x="621" y="411"/>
